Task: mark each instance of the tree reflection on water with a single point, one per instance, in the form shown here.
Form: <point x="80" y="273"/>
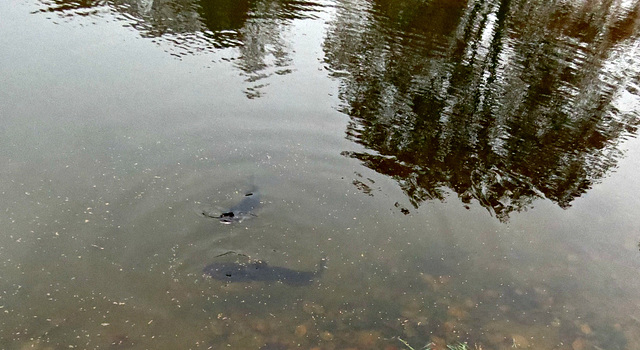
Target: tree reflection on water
<point x="501" y="102"/>
<point x="191" y="27"/>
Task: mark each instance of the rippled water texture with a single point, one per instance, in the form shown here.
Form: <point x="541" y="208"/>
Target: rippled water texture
<point x="181" y="174"/>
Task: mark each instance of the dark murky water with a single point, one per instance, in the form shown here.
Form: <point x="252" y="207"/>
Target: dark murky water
<point x="468" y="169"/>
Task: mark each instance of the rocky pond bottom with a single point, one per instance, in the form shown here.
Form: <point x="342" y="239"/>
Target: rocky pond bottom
<point x="429" y="314"/>
<point x="352" y="326"/>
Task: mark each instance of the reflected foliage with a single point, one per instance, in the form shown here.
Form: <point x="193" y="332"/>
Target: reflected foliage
<point x="499" y="101"/>
<point x="190" y="27"/>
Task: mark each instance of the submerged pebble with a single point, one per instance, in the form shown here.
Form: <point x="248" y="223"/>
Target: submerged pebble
<point x="458" y="312"/>
<point x="368" y="339"/>
<point x="301" y="330"/>
<point x="438" y="343"/>
<point x="585" y="328"/>
<point x="579" y="344"/>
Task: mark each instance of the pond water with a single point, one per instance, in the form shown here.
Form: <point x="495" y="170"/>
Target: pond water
<point x="467" y="169"/>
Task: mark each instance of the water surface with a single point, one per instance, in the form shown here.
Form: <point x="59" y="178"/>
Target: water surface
<point x="467" y="168"/>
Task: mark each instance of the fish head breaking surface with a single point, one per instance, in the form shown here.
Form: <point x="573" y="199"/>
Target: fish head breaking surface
<point x="239" y="212"/>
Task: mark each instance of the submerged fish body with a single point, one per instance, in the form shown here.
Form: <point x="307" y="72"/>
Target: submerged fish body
<point x="261" y="271"/>
<point x="241" y="211"/>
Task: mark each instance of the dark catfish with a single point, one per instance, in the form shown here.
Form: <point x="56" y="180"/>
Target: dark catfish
<point x="241" y="211"/>
<point x="261" y="271"/>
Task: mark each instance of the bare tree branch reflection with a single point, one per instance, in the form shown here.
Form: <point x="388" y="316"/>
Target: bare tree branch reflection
<point x="515" y="101"/>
